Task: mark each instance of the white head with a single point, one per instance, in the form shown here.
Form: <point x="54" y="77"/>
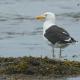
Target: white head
<point x="49" y="16"/>
<point x="49" y="20"/>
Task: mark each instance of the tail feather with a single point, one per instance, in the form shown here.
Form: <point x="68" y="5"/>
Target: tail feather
<point x="73" y="40"/>
<point x="70" y="40"/>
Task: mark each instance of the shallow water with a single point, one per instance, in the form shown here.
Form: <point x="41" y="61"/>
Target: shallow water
<point x="21" y="34"/>
<point x="60" y="78"/>
<point x="50" y="78"/>
<point x="39" y="78"/>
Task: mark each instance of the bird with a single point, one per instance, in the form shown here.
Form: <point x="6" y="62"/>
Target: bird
<point x="54" y="34"/>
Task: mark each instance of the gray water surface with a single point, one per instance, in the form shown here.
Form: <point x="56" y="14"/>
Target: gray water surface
<point x="21" y="34"/>
<point x="40" y="78"/>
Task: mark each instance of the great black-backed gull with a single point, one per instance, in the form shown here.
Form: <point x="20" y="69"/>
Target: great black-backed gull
<point x="57" y="36"/>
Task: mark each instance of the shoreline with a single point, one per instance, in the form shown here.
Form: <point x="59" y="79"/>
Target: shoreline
<point x="31" y="77"/>
<point x="38" y="66"/>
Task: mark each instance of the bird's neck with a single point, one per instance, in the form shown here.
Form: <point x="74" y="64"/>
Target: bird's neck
<point x="46" y="25"/>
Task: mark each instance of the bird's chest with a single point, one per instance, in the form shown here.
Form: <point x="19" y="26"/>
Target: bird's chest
<point x="60" y="45"/>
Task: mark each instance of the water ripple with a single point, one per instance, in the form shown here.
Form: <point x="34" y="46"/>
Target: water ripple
<point x="72" y="14"/>
<point x="10" y="17"/>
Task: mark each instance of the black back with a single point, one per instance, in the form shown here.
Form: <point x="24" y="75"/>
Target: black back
<point x="56" y="34"/>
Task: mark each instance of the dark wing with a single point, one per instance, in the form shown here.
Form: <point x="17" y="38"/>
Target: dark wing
<point x="56" y="34"/>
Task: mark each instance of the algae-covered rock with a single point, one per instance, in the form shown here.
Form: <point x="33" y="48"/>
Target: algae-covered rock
<point x="38" y="66"/>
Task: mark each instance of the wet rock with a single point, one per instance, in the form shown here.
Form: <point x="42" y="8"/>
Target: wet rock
<point x="31" y="70"/>
<point x="35" y="62"/>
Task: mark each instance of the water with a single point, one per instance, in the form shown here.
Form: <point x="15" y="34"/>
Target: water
<point x="60" y="78"/>
<point x="39" y="78"/>
<point x="21" y="34"/>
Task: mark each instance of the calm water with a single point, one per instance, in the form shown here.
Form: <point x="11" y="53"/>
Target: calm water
<point x="40" y="78"/>
<point x="21" y="34"/>
<point x="63" y="78"/>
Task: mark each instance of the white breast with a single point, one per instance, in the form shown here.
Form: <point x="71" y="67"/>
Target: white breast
<point x="46" y="25"/>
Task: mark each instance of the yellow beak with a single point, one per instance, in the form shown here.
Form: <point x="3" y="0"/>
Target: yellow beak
<point x="40" y="17"/>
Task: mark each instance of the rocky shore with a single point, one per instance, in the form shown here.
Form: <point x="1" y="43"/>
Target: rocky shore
<point x="36" y="66"/>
